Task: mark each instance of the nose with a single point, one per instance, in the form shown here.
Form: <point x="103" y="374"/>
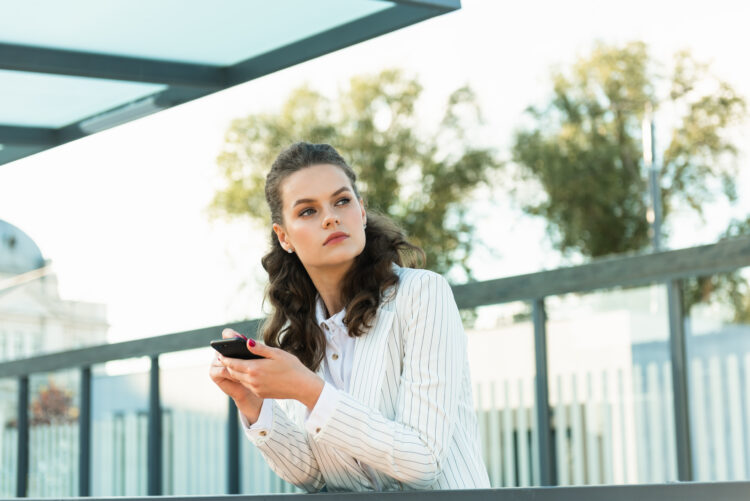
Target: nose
<point x="331" y="219"/>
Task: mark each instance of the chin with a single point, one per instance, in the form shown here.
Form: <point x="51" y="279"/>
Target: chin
<point x="341" y="256"/>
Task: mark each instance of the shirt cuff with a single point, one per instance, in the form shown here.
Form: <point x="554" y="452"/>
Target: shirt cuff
<point x="323" y="410"/>
<point x="262" y="426"/>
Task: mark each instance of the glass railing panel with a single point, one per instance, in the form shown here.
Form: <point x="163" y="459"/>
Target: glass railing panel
<point x="501" y="360"/>
<point x="54" y="405"/>
<point x="194" y="425"/>
<point x="610" y="387"/>
<point x="717" y="337"/>
<point x="119" y="414"/>
<point x="8" y="437"/>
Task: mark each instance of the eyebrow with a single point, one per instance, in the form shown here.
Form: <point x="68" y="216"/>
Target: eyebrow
<point x="310" y="200"/>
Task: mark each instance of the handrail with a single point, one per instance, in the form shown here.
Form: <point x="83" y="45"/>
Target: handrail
<point x="684" y="491"/>
<point x="620" y="271"/>
<point x="632" y="270"/>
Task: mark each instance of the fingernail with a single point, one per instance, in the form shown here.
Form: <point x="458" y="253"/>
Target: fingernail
<point x="251" y="343"/>
<point x="241" y="336"/>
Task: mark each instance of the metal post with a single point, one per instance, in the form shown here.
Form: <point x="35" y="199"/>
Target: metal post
<point x="233" y="450"/>
<point x="678" y="354"/>
<point x="544" y="430"/>
<point x="84" y="435"/>
<point x="649" y="158"/>
<point x="22" y="472"/>
<point x="154" y="431"/>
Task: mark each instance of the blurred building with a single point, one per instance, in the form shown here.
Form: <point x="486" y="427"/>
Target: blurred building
<point x="34" y="319"/>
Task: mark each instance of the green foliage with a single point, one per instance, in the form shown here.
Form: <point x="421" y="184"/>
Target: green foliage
<point x="419" y="182"/>
<point x="730" y="288"/>
<point x="584" y="149"/>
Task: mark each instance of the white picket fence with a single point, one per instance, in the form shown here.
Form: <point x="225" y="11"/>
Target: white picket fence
<point x="610" y="427"/>
<point x="194" y="458"/>
<point x="617" y="427"/>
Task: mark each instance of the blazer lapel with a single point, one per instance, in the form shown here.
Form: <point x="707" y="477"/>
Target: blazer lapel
<point x="369" y="360"/>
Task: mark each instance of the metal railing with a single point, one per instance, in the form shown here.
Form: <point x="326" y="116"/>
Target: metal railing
<point x="689" y="491"/>
<point x="669" y="267"/>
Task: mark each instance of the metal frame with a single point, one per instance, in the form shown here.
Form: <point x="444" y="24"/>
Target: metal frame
<point x="185" y="81"/>
<point x="724" y="491"/>
<point x="678" y="355"/>
<point x="84" y="434"/>
<point x="543" y="413"/>
<point x="669" y="266"/>
<point x="22" y="468"/>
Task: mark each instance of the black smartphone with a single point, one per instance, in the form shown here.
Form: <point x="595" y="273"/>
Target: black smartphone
<point x="234" y="348"/>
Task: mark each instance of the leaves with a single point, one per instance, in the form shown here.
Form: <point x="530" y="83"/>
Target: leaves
<point x="585" y="149"/>
<point x="421" y="182"/>
<point x="53" y="405"/>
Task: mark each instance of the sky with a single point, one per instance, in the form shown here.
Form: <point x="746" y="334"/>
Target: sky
<point x="122" y="214"/>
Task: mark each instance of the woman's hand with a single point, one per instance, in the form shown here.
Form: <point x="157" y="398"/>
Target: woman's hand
<point x="247" y="402"/>
<point x="278" y="375"/>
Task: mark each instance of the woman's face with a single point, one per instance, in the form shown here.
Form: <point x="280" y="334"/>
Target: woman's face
<point x="318" y="202"/>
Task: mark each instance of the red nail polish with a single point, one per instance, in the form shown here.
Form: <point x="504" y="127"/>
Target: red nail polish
<point x="241" y="336"/>
<point x="251" y="343"/>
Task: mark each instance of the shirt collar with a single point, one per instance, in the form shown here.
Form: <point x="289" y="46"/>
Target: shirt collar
<point x="320" y="314"/>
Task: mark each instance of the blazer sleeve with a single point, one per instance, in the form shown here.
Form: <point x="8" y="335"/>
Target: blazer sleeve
<point x="285" y="448"/>
<point x="412" y="447"/>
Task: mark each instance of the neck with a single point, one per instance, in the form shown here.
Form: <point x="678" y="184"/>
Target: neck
<point x="328" y="283"/>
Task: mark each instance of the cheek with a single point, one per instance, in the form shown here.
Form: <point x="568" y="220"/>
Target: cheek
<point x="302" y="235"/>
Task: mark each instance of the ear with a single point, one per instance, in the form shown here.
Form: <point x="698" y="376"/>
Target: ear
<point x="282" y="236"/>
<point x="364" y="212"/>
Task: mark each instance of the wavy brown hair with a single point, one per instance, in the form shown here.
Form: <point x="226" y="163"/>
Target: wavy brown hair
<point x="292" y="325"/>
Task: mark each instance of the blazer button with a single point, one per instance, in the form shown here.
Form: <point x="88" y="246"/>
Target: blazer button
<point x="317" y="430"/>
<point x="262" y="433"/>
<point x="335" y="356"/>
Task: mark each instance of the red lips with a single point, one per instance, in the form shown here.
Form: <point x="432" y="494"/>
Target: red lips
<point x="338" y="234"/>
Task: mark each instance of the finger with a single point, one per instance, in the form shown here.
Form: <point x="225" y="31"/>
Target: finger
<point x="260" y="349"/>
<point x="234" y="375"/>
<point x="231" y="333"/>
<point x="235" y="364"/>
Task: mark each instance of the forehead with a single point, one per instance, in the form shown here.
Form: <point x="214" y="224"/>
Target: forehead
<point x="315" y="182"/>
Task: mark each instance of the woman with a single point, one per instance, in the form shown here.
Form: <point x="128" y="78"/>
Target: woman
<point x="365" y="382"/>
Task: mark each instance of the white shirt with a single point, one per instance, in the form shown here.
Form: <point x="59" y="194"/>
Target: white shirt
<point x="337" y="371"/>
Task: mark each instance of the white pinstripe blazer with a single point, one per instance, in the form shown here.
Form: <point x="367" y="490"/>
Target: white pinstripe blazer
<point x="408" y="415"/>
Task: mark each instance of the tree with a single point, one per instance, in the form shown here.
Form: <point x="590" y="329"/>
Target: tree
<point x="584" y="149"/>
<point x="418" y="180"/>
<point x="53" y="405"/>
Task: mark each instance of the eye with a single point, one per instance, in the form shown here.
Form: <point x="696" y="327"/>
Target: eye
<point x="343" y="201"/>
<point x="307" y="212"/>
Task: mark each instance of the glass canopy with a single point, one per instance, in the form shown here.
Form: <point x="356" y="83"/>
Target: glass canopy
<point x="69" y="69"/>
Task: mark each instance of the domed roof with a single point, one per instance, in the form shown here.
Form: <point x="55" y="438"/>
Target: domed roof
<point x="18" y="252"/>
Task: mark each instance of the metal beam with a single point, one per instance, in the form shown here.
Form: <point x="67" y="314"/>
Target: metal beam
<point x="105" y="66"/>
<point x="680" y="393"/>
<point x="27" y="136"/>
<point x="84" y="435"/>
<point x="82" y="357"/>
<point x="233" y="450"/>
<point x="688" y="491"/>
<point x="386" y="21"/>
<point x="154" y="431"/>
<point x="22" y="468"/>
<point x="725" y="255"/>
<point x="128" y="112"/>
<point x="445" y="5"/>
<point x="543" y="426"/>
<point x="621" y="271"/>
